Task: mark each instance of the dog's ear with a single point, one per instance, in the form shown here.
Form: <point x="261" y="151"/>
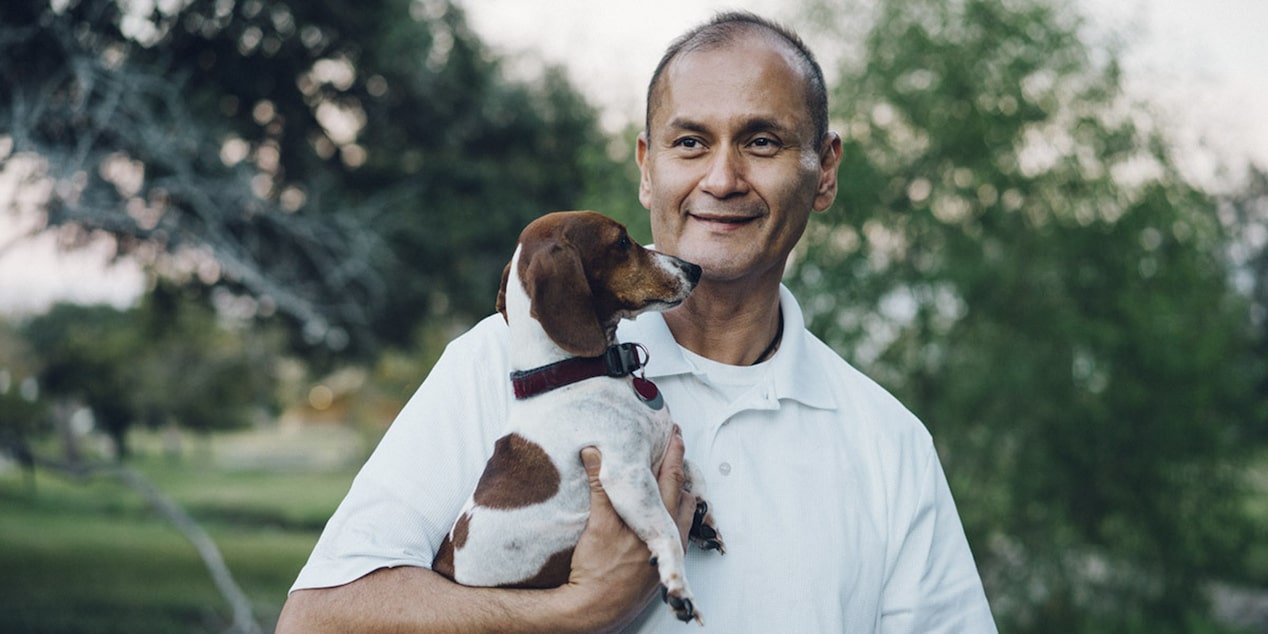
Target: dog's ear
<point x="561" y="300"/>
<point x="500" y="304"/>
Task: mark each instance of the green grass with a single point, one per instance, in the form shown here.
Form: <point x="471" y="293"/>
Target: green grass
<point x="90" y="556"/>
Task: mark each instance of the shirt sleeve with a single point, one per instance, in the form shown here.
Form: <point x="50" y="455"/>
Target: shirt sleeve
<point x="406" y="496"/>
<point x="934" y="586"/>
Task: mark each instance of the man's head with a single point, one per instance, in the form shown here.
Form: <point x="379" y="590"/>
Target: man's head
<point x="736" y="152"/>
<point x="727" y="28"/>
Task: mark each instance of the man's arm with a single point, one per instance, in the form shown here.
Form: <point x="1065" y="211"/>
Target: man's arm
<point x="610" y="583"/>
<point x="935" y="587"/>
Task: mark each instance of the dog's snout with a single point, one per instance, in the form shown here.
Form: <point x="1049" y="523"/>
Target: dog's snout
<point x="682" y="269"/>
<point x="692" y="271"/>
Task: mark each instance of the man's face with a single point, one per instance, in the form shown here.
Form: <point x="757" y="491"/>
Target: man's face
<point x="731" y="169"/>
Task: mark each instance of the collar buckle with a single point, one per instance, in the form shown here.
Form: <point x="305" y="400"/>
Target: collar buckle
<point x="622" y="360"/>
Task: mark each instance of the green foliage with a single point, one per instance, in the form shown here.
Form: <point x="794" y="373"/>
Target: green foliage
<point x="87" y="353"/>
<point x="1015" y="254"/>
<point x="23" y="413"/>
<point x="612" y="183"/>
<point x="169" y="361"/>
<point x="356" y="166"/>
<point x="1246" y="212"/>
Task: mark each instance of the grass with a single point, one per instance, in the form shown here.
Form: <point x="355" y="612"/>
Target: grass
<point x="90" y="556"/>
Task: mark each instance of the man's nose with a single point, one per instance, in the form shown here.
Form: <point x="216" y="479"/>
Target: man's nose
<point x="725" y="176"/>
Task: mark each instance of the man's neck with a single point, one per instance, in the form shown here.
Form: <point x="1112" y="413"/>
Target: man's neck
<point x="728" y="323"/>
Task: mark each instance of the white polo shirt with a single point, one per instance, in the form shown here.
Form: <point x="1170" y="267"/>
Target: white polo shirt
<point x="828" y="492"/>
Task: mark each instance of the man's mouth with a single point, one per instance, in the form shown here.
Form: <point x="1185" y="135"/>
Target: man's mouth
<point x="724" y="219"/>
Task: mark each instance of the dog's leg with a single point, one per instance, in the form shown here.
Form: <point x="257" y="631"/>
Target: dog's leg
<point x="636" y="498"/>
<point x="704" y="531"/>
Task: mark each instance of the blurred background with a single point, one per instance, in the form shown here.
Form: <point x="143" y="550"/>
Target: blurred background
<point x="235" y="234"/>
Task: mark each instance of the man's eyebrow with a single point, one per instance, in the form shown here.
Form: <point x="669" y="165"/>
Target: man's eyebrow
<point x="686" y="124"/>
<point x="750" y="126"/>
<point x="763" y="124"/>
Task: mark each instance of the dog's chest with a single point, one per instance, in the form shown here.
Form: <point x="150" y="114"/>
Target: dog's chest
<point x="606" y="413"/>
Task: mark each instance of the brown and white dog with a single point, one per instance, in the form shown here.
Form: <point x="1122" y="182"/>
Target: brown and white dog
<point x="573" y="276"/>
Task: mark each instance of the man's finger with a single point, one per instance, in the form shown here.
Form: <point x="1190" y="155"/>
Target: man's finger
<point x="672" y="479"/>
<point x="591" y="459"/>
<point x="672" y="476"/>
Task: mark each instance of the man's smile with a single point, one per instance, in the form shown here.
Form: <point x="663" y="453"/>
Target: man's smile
<point x="723" y="220"/>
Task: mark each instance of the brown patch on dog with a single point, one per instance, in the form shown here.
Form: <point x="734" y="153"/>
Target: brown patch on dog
<point x="519" y="474"/>
<point x="460" y="529"/>
<point x="443" y="563"/>
<point x="554" y="572"/>
<point x="500" y="303"/>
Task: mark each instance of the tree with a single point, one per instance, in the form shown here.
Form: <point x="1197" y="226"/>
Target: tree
<point x="85" y="351"/>
<point x="170" y="360"/>
<point x="357" y="167"/>
<point x="1015" y="253"/>
<point x="23" y="413"/>
<point x="1245" y="211"/>
<point x="197" y="371"/>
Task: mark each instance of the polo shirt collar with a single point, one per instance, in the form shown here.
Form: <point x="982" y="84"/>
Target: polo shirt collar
<point x="794" y="372"/>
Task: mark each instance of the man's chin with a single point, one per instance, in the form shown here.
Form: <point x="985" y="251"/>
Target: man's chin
<point x="716" y="267"/>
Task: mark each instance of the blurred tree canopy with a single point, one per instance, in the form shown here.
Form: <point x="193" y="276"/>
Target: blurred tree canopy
<point x="170" y="361"/>
<point x="23" y="414"/>
<point x="1015" y="253"/>
<point x="356" y="167"/>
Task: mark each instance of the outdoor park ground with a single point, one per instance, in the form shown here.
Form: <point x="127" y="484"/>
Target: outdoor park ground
<point x="90" y="555"/>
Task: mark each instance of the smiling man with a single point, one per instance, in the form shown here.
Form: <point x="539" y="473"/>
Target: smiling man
<point x="835" y="509"/>
<point x="735" y="155"/>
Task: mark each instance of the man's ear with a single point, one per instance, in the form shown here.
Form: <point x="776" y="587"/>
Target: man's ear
<point x="561" y="300"/>
<point x="644" y="171"/>
<point x="829" y="163"/>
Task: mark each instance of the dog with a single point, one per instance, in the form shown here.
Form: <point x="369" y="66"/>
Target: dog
<point x="572" y="278"/>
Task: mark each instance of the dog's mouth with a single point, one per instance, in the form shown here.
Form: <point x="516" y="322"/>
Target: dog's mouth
<point x="662" y="304"/>
<point x="654" y="305"/>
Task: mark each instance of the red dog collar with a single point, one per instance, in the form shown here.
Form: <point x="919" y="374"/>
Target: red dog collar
<point x="618" y="361"/>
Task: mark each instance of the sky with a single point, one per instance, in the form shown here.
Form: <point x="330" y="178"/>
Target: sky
<point x="1203" y="63"/>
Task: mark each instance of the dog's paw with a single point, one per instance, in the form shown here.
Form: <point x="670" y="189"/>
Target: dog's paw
<point x="681" y="604"/>
<point x="704" y="534"/>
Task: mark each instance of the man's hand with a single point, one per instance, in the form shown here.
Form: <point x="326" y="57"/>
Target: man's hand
<point x="611" y="567"/>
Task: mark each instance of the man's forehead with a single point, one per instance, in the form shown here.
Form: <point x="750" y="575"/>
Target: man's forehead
<point x="752" y="82"/>
<point x="752" y="40"/>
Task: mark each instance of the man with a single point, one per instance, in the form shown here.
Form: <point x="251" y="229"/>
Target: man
<point x="835" y="510"/>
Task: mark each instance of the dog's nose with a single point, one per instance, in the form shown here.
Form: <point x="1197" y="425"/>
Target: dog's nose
<point x="692" y="271"/>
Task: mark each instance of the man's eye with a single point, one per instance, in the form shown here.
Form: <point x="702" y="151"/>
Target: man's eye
<point x="688" y="143"/>
<point x="764" y="145"/>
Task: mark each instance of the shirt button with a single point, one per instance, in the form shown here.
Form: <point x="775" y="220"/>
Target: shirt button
<point x="724" y="468"/>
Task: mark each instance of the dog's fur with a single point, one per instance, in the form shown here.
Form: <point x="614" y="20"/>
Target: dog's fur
<point x="573" y="276"/>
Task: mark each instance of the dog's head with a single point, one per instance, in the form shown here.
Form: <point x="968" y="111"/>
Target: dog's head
<point x="583" y="274"/>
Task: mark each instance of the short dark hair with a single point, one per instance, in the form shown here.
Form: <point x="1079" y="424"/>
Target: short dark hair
<point x="724" y="29"/>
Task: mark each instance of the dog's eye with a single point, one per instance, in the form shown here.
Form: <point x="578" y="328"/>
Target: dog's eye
<point x="624" y="243"/>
